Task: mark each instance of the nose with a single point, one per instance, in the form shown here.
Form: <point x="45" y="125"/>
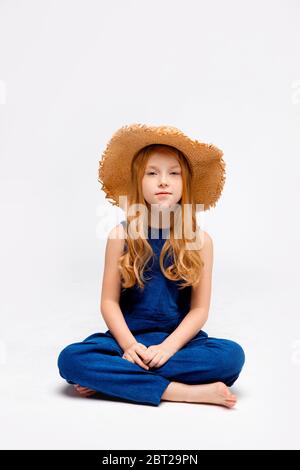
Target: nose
<point x="163" y="180"/>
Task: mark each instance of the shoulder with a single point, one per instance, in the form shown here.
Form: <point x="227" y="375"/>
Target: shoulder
<point x="202" y="291"/>
<point x="116" y="240"/>
<point x="206" y="247"/>
<point x="117" y="232"/>
<point x="206" y="240"/>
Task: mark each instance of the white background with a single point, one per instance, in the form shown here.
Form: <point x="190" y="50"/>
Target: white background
<point x="71" y="74"/>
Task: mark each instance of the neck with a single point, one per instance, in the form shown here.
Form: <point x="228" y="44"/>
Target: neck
<point x="163" y="224"/>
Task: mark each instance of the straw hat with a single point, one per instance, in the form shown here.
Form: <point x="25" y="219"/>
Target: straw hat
<point x="206" y="162"/>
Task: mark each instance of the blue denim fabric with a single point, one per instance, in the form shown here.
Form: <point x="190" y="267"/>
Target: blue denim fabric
<point x="151" y="315"/>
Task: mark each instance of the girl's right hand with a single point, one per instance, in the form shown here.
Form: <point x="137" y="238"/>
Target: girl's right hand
<point x="132" y="352"/>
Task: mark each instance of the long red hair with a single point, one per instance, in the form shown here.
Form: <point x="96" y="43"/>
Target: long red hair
<point x="187" y="263"/>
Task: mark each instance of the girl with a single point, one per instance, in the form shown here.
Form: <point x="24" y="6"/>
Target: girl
<point x="155" y="348"/>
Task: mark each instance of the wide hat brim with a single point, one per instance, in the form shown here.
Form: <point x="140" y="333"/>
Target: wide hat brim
<point x="208" y="166"/>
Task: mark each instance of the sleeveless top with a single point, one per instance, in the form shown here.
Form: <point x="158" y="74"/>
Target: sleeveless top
<point x="160" y="306"/>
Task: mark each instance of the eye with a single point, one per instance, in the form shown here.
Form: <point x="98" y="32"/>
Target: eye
<point x="153" y="173"/>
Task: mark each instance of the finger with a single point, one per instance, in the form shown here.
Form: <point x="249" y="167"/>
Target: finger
<point x="139" y="361"/>
<point x="147" y="355"/>
<point x="79" y="389"/>
<point x="149" y="359"/>
<point x="159" y="364"/>
<point x="128" y="358"/>
<point x="154" y="361"/>
<point x="89" y="394"/>
<point x="87" y="390"/>
<point x="141" y="350"/>
<point x="143" y="354"/>
<point x="157" y="361"/>
<point x="150" y="353"/>
<point x="86" y="394"/>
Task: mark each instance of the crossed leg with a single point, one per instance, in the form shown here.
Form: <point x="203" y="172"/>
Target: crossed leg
<point x="215" y="362"/>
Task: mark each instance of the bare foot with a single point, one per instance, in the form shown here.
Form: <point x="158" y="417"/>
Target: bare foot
<point x="84" y="391"/>
<point x="217" y="393"/>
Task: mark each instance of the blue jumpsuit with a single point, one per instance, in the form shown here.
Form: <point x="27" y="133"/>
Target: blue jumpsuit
<point x="151" y="315"/>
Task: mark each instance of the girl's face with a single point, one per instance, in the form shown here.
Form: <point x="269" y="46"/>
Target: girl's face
<point x="162" y="174"/>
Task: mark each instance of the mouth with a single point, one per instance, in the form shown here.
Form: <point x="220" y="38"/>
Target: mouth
<point x="162" y="193"/>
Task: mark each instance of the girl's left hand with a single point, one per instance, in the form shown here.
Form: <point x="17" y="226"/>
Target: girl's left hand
<point x="157" y="355"/>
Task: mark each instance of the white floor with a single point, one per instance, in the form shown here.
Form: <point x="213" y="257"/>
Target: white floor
<point x="40" y="410"/>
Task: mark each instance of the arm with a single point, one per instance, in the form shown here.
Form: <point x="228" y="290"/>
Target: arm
<point x="200" y="302"/>
<point x="111" y="289"/>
